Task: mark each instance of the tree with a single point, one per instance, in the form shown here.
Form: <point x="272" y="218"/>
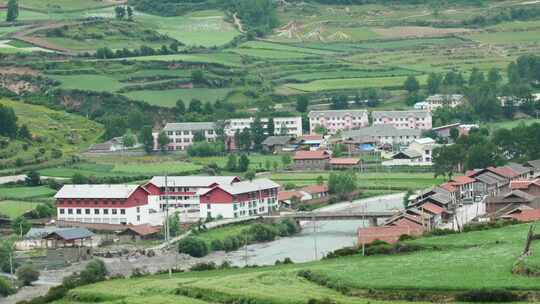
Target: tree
<point x="243" y="163"/>
<point x="286" y="160"/>
<point x="319" y="129"/>
<point x="26" y="275"/>
<point x="257" y="133"/>
<point x="12" y="10"/>
<point x="338" y="150"/>
<point x="249" y="175"/>
<point x="271" y="129"/>
<point x="163" y="141"/>
<point x="494" y="77"/>
<point x="320" y="180"/>
<point x="195" y="106"/>
<point x="198" y="136"/>
<point x="447" y="159"/>
<point x="8" y="127"/>
<point x="434" y="83"/>
<point x="95" y="271"/>
<point x="174" y="225"/>
<point x="454" y="134"/>
<point x="411" y="84"/>
<point x="342" y="183"/>
<point x="56" y="153"/>
<point x="24" y="133"/>
<point x="120" y="12"/>
<point x="180" y="108"/>
<point x="231" y="163"/>
<point x="244" y="140"/>
<point x="339" y="102"/>
<point x="79" y="179"/>
<point x="129" y="139"/>
<point x="136" y="119"/>
<point x="6" y="288"/>
<point x="197" y="76"/>
<point x="193" y="246"/>
<point x="20" y="226"/>
<point x="476" y="78"/>
<point x="32" y="179"/>
<point x="147" y="139"/>
<point x="302" y="103"/>
<point x="130" y="13"/>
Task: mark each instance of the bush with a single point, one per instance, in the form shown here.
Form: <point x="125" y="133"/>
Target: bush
<point x="6" y="288"/>
<point x="193" y="246"/>
<point x="94" y="272"/>
<point x="347" y="251"/>
<point x="27" y="274"/>
<point x="232" y="243"/>
<point x="489" y="295"/>
<point x="203" y="266"/>
<point x="262" y="233"/>
<point x="217" y="245"/>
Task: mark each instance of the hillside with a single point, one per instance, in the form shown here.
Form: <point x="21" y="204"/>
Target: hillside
<point x="445" y="267"/>
<point x="51" y="130"/>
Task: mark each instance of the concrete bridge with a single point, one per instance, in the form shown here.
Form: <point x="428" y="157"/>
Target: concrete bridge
<point x="372" y="216"/>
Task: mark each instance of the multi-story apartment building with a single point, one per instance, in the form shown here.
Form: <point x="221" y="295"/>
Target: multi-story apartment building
<point x="414" y="119"/>
<point x="434" y="102"/>
<point x="109" y="204"/>
<point x="181" y="134"/>
<point x="239" y="199"/>
<point x="383" y="135"/>
<point x="282" y="125"/>
<point x="338" y="120"/>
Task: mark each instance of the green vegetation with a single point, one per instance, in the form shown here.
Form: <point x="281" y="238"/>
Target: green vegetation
<point x="15" y="193"/>
<point x="14" y="209"/>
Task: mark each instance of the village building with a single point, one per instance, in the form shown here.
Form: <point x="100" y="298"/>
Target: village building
<point x="412" y="119"/>
<point x="338" y="120"/>
<point x="437" y="101"/>
<point x="311" y="160"/>
<point x="534" y="166"/>
<point x="510" y="200"/>
<point x="239" y="199"/>
<point x="291" y="126"/>
<point x="316" y="191"/>
<point x="384" y="136"/>
<point x="345" y="163"/>
<point x="112" y="204"/>
<point x="419" y="152"/>
<point x="465" y="186"/>
<point x="463" y="129"/>
<point x="139" y="232"/>
<point x="278" y="144"/>
<point x="181" y="135"/>
<point x="522" y="214"/>
<point x="115" y="144"/>
<point x="312" y="142"/>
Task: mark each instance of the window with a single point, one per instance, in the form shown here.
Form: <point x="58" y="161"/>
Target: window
<point x="114" y="211"/>
<point x="122" y="211"/>
<point x="208" y="206"/>
<point x="62" y="211"/>
<point x="86" y="211"/>
<point x="96" y="211"/>
<point x="138" y="209"/>
<point x="138" y="218"/>
<point x="79" y="211"/>
<point x="105" y="211"/>
<point x="70" y="211"/>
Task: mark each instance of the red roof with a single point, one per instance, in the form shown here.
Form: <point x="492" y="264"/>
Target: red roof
<point x="432" y="208"/>
<point x="523" y="184"/>
<point x="503" y="171"/>
<point x="312" y="137"/>
<point x="287" y="195"/>
<point x="319" y="154"/>
<point x="462" y="180"/>
<point x="313" y="189"/>
<point x="449" y="187"/>
<point x="344" y="161"/>
<point x="526" y="215"/>
<point x="143" y="229"/>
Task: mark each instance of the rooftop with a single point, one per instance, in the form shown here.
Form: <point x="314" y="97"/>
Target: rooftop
<point x="344" y="161"/>
<point x="96" y="191"/>
<point x="192" y="181"/>
<point x="339" y="113"/>
<point x="71" y="234"/>
<point x="400" y="114"/>
<point x="276" y="140"/>
<point x="189" y="126"/>
<point x="380" y="130"/>
<point x="314" y="189"/>
<point x="319" y="154"/>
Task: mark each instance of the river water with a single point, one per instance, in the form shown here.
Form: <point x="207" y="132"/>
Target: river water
<point x="316" y="238"/>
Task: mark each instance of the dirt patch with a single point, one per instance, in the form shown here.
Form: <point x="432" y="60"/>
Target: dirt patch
<point x="417" y="31"/>
<point x="18" y="71"/>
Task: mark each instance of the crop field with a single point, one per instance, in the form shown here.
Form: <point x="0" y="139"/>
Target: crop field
<point x="351" y="83"/>
<point x="63" y="5"/>
<point x="26" y="192"/>
<point x="157" y="168"/>
<point x="255" y="161"/>
<point x="88" y="82"/>
<point x="462" y="262"/>
<point x="14" y="209"/>
<point x="66" y="132"/>
<point x="168" y="98"/>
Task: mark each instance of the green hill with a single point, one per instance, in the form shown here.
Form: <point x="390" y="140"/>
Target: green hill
<point x="51" y="131"/>
<point x="443" y="267"/>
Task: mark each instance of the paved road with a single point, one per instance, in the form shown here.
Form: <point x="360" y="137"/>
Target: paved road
<point x="372" y="204"/>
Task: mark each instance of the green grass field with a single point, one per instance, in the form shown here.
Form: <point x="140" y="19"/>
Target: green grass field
<point x="168" y="98"/>
<point x="26" y="192"/>
<point x="63" y="5"/>
<point x="88" y="82"/>
<point x="463" y="262"/>
<point x="52" y="129"/>
<point x="14" y="209"/>
<point x="340" y="84"/>
<point x="255" y="161"/>
<point x="511" y="123"/>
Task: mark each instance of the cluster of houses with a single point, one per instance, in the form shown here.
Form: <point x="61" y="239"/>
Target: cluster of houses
<point x="508" y="192"/>
<point x="193" y="197"/>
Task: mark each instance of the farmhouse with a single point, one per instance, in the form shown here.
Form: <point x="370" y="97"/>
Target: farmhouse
<point x="112" y="204"/>
<point x="316" y="191"/>
<point x="277" y="144"/>
<point x="311" y="160"/>
<point x="344" y="163"/>
<point x="338" y="120"/>
<point x="139" y="232"/>
<point x="413" y="119"/>
<point x="239" y="199"/>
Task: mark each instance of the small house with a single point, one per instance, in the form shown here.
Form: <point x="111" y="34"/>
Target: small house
<point x="341" y="163"/>
<point x="277" y="144"/>
<point x="311" y="160"/>
<point x="139" y="232"/>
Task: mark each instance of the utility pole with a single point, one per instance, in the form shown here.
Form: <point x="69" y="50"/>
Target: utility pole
<point x="315" y="238"/>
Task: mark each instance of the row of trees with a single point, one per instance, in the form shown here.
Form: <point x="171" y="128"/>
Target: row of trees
<point x="122" y="12"/>
<point x="480" y="149"/>
<point x="144" y="50"/>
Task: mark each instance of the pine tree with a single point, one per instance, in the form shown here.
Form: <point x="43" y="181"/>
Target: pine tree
<point x="12" y="11"/>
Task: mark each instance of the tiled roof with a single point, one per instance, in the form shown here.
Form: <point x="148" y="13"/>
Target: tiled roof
<point x="287" y="195"/>
<point x="432" y="208"/>
<point x="344" y="161"/>
<point x="319" y="154"/>
<point x="400" y="114"/>
<point x="524" y="184"/>
<point x="462" y="180"/>
<point x="338" y="113"/>
<point x="448" y="187"/>
<point x="192" y="181"/>
<point x="380" y="130"/>
<point x="312" y="137"/>
<point x="506" y="172"/>
<point x="189" y="126"/>
<point x="534" y="163"/>
<point x="71" y="234"/>
<point x="244" y="187"/>
<point x="524" y="195"/>
<point x="314" y="189"/>
<point x="276" y="140"/>
<point x="518" y="168"/>
<point x="410" y="153"/>
<point x="143" y="230"/>
<point x="96" y="191"/>
<point x="526" y="215"/>
<point x="389" y="234"/>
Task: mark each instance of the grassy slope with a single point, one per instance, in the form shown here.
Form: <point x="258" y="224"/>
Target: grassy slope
<point x="14" y="209"/>
<point x="60" y="130"/>
<point x="467" y="261"/>
<point x="26" y="192"/>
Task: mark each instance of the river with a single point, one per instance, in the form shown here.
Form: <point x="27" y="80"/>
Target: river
<point x="316" y="238"/>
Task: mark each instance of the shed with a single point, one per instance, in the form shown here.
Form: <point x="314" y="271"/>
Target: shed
<point x="69" y="237"/>
<point x="140" y="232"/>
